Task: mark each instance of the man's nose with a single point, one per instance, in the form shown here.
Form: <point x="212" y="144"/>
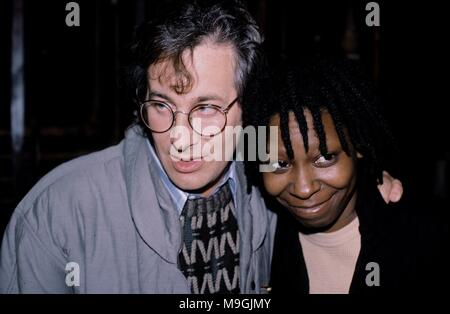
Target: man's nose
<point x="181" y="133"/>
<point x="181" y="118"/>
<point x="305" y="184"/>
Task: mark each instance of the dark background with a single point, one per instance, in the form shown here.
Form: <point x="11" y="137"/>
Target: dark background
<point x="75" y="101"/>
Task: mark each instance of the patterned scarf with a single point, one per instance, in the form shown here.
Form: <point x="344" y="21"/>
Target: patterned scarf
<point x="209" y="257"/>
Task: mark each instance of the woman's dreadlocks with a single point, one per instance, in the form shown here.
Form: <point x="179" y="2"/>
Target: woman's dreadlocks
<point x="321" y="84"/>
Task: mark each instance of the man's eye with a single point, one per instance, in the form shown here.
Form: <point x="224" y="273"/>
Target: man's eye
<point x="281" y="165"/>
<point x="206" y="110"/>
<point x="160" y="107"/>
<point x="325" y="160"/>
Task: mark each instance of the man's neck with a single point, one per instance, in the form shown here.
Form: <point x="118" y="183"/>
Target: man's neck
<point x="212" y="186"/>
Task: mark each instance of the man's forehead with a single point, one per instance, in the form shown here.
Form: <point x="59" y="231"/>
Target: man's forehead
<point x="195" y="59"/>
<point x="164" y="74"/>
<point x="207" y="74"/>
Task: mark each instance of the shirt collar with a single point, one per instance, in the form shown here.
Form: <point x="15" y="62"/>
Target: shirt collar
<point x="179" y="196"/>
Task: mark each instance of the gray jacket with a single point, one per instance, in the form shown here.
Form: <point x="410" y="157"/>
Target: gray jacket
<point x="109" y="213"/>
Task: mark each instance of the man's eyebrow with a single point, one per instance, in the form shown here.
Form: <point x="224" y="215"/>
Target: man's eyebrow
<point x="203" y="98"/>
<point x="209" y="97"/>
<point x="199" y="99"/>
<point x="152" y="94"/>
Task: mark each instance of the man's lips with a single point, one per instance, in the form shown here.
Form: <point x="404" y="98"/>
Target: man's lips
<point x="187" y="166"/>
<point x="184" y="157"/>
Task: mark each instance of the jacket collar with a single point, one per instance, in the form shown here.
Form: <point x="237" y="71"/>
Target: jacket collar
<point x="153" y="210"/>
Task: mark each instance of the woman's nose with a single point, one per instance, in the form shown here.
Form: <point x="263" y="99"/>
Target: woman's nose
<point x="305" y="184"/>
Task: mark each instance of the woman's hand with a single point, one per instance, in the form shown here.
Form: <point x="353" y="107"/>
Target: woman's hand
<point x="391" y="190"/>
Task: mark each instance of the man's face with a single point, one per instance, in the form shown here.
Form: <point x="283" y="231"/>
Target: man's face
<point x="212" y="70"/>
<point x="320" y="193"/>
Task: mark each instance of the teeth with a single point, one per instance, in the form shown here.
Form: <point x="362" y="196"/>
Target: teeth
<point x="309" y="210"/>
<point x="313" y="210"/>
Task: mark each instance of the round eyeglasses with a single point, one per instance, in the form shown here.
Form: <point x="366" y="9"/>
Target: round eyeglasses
<point x="204" y="119"/>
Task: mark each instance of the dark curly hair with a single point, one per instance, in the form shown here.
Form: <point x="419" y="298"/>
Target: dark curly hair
<point x="183" y="25"/>
<point x="319" y="83"/>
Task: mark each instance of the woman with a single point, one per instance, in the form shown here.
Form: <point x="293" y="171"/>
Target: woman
<point x="335" y="233"/>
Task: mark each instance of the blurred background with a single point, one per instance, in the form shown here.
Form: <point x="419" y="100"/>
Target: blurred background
<point x="62" y="96"/>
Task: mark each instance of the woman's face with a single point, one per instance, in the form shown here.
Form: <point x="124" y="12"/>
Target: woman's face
<point x="320" y="193"/>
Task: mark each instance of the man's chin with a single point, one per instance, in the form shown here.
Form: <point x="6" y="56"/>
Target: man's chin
<point x="189" y="182"/>
<point x="192" y="183"/>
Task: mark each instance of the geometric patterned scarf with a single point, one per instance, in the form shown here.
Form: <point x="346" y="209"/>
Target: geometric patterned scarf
<point x="209" y="258"/>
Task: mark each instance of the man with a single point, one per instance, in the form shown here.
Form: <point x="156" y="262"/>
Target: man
<point x="151" y="215"/>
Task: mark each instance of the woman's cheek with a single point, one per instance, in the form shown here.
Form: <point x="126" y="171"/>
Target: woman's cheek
<point x="338" y="176"/>
<point x="274" y="183"/>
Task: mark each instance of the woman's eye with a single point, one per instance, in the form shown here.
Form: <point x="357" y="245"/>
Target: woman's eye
<point x="281" y="165"/>
<point x="325" y="160"/>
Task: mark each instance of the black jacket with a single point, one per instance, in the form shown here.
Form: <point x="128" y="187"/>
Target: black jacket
<point x="407" y="240"/>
